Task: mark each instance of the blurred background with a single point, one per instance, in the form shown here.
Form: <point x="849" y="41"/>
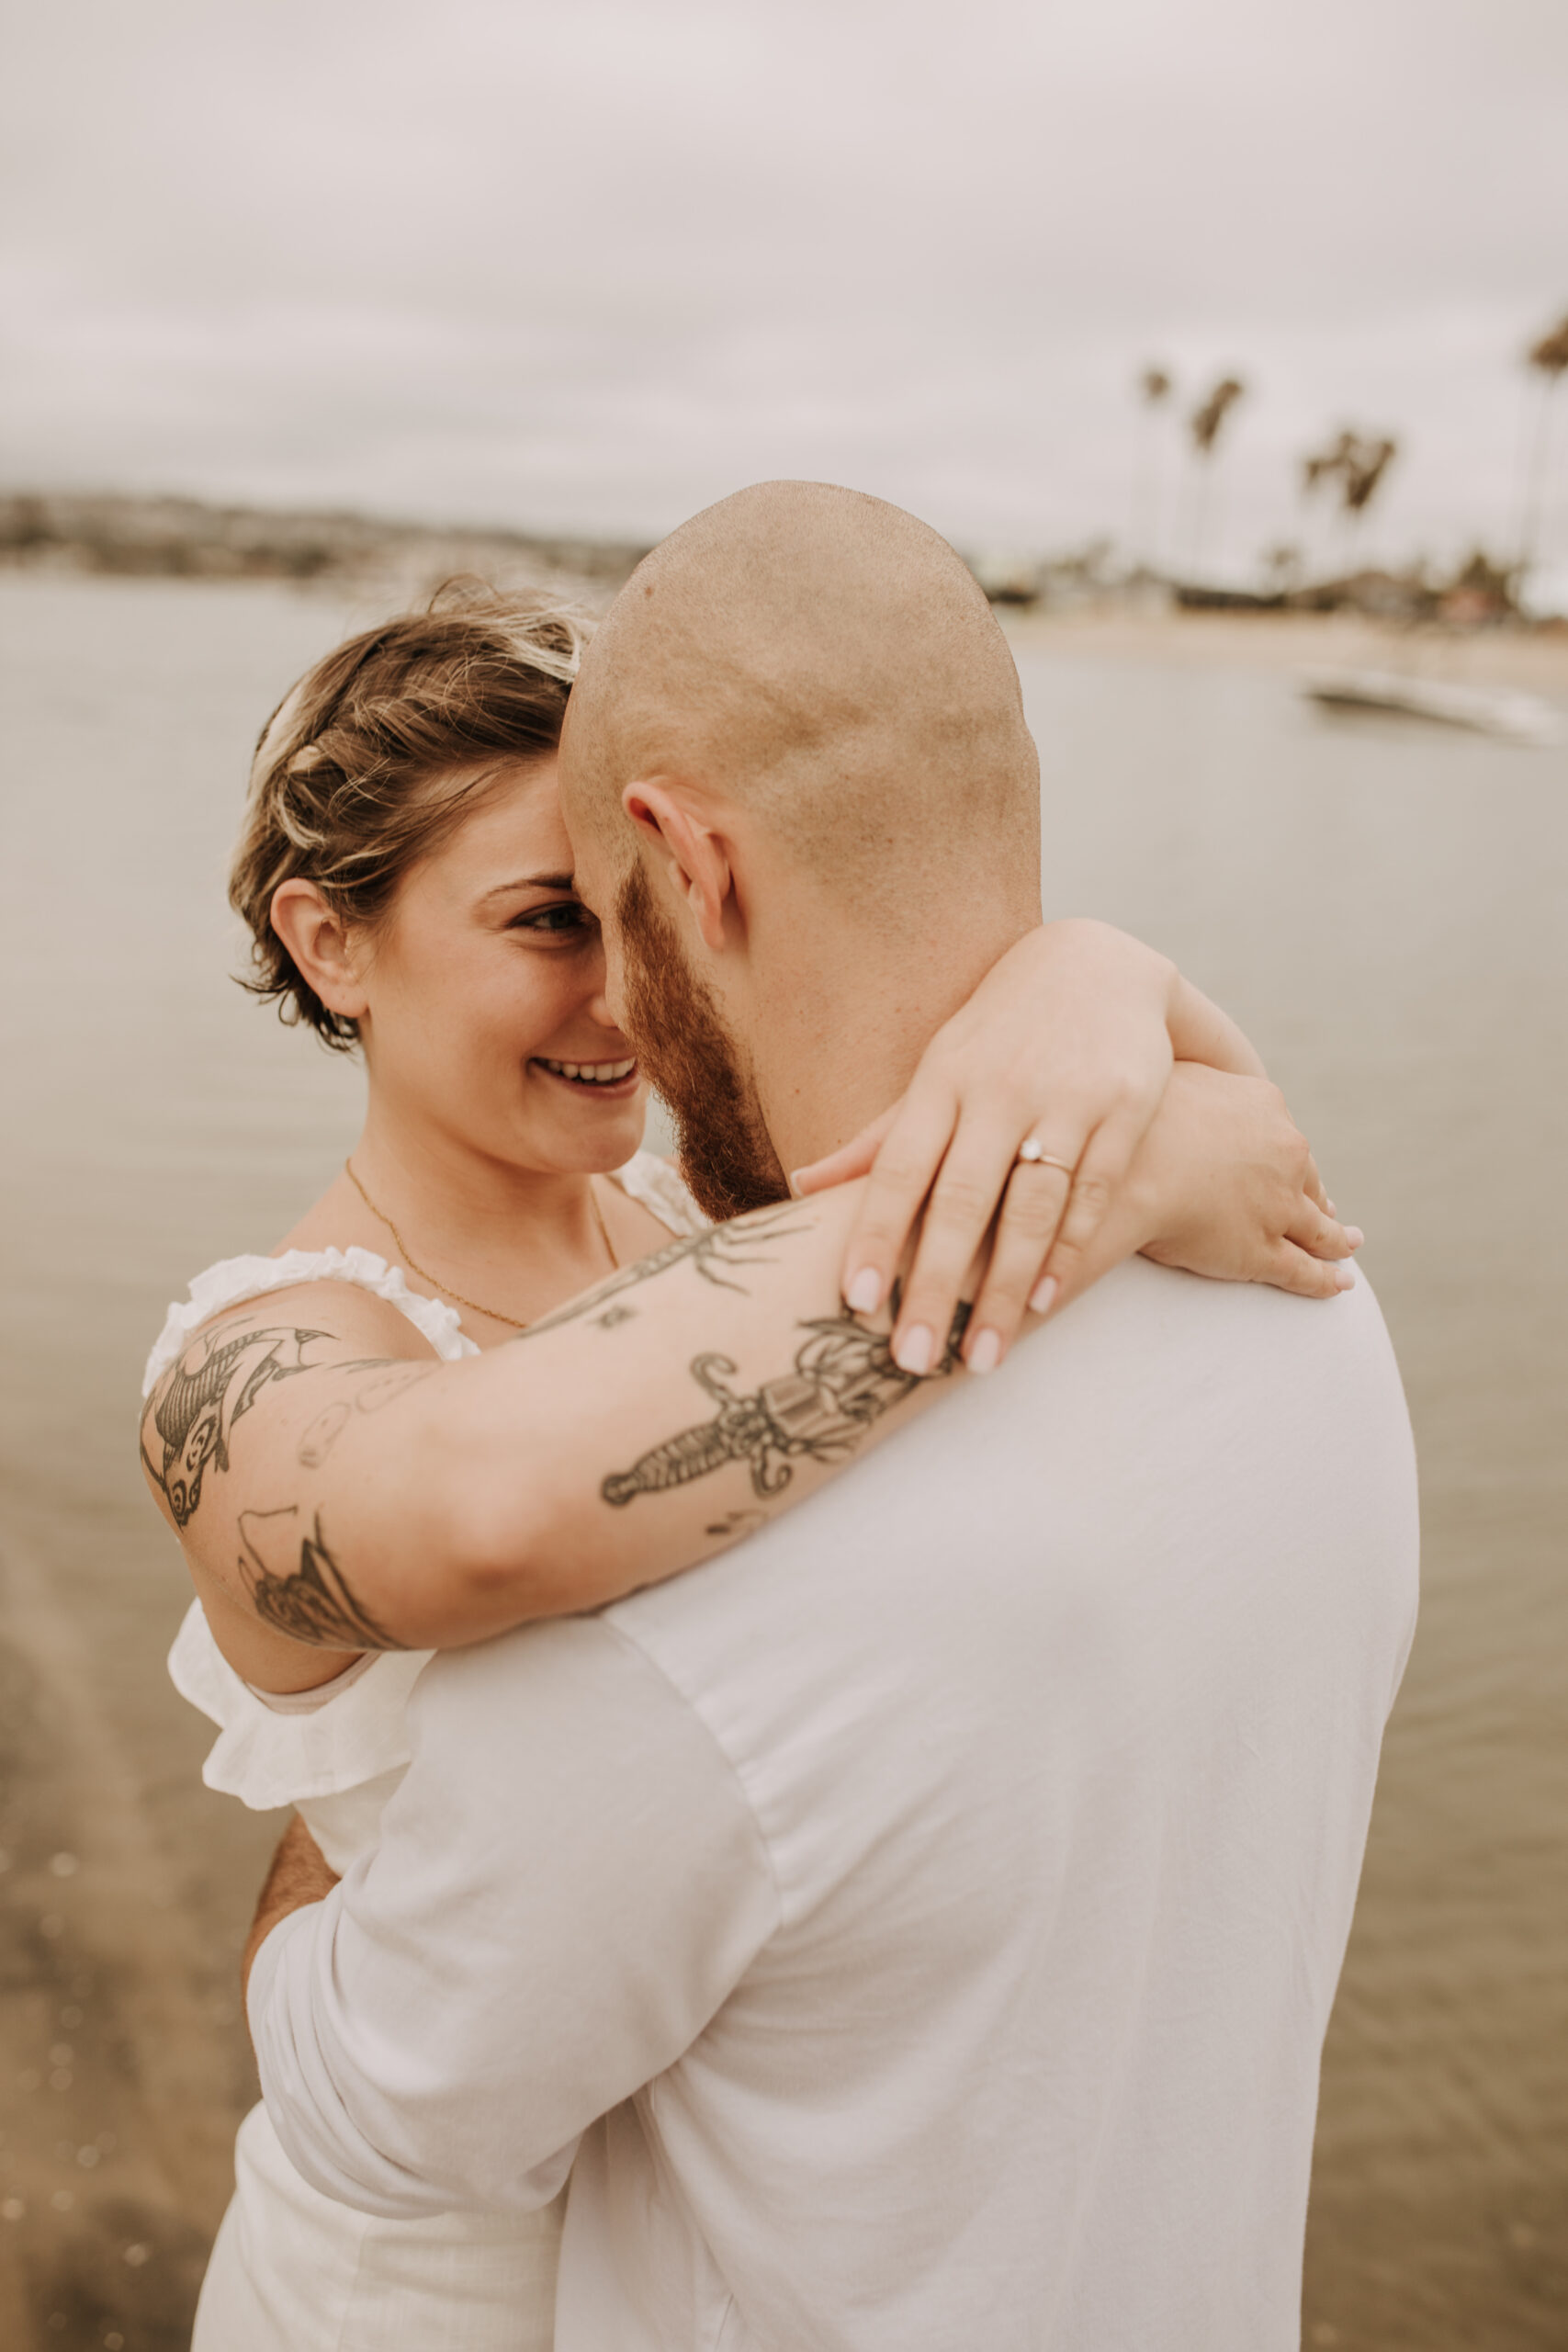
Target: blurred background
<point x="1229" y="342"/>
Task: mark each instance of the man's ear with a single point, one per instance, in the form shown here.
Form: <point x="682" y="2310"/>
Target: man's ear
<point x="676" y="826"/>
<point x="316" y="938"/>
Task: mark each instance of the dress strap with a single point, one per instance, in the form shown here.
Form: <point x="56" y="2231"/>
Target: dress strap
<point x="657" y="1185"/>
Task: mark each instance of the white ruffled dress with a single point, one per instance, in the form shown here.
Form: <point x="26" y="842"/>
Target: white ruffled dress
<point x="292" y="2270"/>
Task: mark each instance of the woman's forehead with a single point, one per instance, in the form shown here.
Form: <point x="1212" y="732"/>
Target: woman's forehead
<point x="518" y="822"/>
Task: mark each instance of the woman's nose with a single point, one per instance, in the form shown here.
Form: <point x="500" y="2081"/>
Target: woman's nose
<point x="599" y="1007"/>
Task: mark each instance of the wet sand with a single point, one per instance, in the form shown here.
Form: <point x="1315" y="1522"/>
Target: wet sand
<point x="118" y="2025"/>
<point x="1383" y="905"/>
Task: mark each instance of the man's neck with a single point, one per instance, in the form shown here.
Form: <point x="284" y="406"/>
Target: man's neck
<point x="835" y="1044"/>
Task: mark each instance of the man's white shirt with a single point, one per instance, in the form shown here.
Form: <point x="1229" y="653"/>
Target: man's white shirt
<point x="921" y="1925"/>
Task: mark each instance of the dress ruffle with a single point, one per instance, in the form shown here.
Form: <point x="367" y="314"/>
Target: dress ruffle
<point x="267" y="1757"/>
<point x="235" y="1279"/>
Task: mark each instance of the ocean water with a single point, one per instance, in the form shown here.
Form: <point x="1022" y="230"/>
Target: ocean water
<point x="1384" y="907"/>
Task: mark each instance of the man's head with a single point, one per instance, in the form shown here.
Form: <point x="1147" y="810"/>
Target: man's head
<point x="804" y="804"/>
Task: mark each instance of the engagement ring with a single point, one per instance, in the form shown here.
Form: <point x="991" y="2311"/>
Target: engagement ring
<point x="1038" y="1157"/>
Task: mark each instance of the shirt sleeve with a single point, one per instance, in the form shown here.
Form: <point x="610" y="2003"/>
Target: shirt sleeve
<point x="569" y="1883"/>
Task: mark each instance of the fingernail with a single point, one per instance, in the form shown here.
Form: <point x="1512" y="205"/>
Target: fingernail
<point x="1043" y="1297"/>
<point x="1344" y="1276"/>
<point x="1330" y="1208"/>
<point x="913" y="1350"/>
<point x="863" y="1295"/>
<point x="985" y="1351"/>
<point x="1354" y="1236"/>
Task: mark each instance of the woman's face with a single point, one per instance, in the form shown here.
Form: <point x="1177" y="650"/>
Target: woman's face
<point x="486" y="1019"/>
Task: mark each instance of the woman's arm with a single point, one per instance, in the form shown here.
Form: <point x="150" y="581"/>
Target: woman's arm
<point x="331" y="1499"/>
<point x="1071" y="1040"/>
<point x="362" y="1503"/>
<point x="212" y="1427"/>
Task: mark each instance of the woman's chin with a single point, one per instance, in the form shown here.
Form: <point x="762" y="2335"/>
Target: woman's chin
<point x="589" y="1135"/>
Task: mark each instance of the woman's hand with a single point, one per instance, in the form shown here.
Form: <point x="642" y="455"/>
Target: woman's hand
<point x="1226" y="1185"/>
<point x="1066" y="1041"/>
<point x="1068" y="1044"/>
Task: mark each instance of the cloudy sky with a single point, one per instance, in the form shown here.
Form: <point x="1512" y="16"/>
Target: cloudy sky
<point x="589" y="264"/>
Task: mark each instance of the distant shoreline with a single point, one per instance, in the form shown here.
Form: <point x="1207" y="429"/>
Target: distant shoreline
<point x="373" y="560"/>
<point x="106" y="536"/>
<point x="1534" y="658"/>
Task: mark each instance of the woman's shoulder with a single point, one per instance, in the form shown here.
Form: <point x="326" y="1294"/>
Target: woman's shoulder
<point x="657" y="1184"/>
<point x="232" y="1281"/>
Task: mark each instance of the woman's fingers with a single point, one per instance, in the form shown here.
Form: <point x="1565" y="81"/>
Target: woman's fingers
<point x="1297" y="1270"/>
<point x="1101" y="1168"/>
<point x="852" y="1159"/>
<point x="917" y="1133"/>
<point x="1321" y="1236"/>
<point x="1031" y="1212"/>
<point x="975" y="1177"/>
<point x="1053" y="1207"/>
<point x="1312" y="1185"/>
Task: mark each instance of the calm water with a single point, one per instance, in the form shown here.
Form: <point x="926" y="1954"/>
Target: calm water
<point x="1383" y="907"/>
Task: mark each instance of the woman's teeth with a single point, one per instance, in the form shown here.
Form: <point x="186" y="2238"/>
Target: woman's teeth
<point x="591" y="1073"/>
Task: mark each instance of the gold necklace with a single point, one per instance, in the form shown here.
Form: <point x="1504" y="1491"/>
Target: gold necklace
<point x="415" y="1268"/>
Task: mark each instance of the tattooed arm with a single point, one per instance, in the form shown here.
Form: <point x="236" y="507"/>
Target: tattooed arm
<point x="214" y="1434"/>
<point x="336" y="1489"/>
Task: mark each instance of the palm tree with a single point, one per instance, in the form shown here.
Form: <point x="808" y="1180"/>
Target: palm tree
<point x="1357" y="466"/>
<point x="1204" y="425"/>
<point x="1550" y="358"/>
<point x="1368" y="465"/>
<point x="1326" y="466"/>
<point x="1154" y="389"/>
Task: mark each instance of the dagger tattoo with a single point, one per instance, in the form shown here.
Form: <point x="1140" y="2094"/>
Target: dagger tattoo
<point x="844" y="1378"/>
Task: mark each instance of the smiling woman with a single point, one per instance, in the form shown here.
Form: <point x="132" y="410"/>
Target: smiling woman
<point x="407" y="880"/>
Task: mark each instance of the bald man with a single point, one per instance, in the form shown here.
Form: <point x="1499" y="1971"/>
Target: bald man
<point x="916" y="1932"/>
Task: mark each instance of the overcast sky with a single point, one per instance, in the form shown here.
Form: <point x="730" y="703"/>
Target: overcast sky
<point x="589" y="264"/>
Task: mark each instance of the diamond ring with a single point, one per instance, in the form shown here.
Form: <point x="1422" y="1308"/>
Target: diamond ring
<point x="1034" y="1154"/>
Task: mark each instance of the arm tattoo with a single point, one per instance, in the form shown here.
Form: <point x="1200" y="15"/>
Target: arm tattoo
<point x="738" y="1522"/>
<point x="195" y="1406"/>
<point x="715" y="1253"/>
<point x="312" y="1602"/>
<point x="844" y="1379"/>
<point x="323" y="1432"/>
<point x="322" y="1435"/>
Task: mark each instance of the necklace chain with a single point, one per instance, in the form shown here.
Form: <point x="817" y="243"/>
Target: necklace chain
<point x="445" y="1288"/>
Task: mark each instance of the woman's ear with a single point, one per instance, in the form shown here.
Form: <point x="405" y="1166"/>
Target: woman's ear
<point x="318" y="940"/>
<point x="671" y="817"/>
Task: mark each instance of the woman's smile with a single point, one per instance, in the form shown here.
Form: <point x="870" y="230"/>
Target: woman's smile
<point x="614" y="1080"/>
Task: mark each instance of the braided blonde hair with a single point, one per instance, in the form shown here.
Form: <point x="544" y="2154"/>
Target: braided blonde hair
<point x="373" y="758"/>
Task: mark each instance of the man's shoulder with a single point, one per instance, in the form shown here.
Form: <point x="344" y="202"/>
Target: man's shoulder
<point x="1141" y="1307"/>
<point x="1154" y="1376"/>
<point x="1155" y="1365"/>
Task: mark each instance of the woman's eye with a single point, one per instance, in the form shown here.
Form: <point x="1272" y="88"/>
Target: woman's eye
<point x="567" y="917"/>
